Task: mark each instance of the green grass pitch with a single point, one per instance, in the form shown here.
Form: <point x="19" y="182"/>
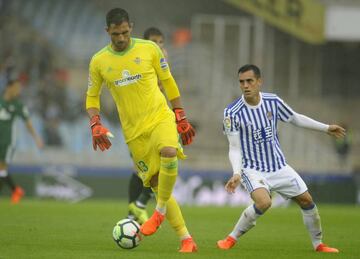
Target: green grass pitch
<point x="49" y="229"/>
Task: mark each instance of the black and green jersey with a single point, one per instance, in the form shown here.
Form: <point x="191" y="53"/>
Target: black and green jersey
<point x="9" y="110"/>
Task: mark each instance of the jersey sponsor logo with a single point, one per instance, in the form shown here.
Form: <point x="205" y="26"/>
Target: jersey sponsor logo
<point x="127" y="79"/>
<point x="262" y="135"/>
<point x="163" y="64"/>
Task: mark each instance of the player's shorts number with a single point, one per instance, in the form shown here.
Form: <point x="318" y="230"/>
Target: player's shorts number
<point x="142" y="166"/>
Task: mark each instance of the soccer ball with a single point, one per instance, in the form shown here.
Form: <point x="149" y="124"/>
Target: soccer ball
<point x="126" y="233"/>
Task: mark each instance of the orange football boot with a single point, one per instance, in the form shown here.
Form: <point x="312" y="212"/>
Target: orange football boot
<point x="17" y="194"/>
<point x="152" y="224"/>
<point x="227" y="243"/>
<point x="326" y="249"/>
<point x="188" y="245"/>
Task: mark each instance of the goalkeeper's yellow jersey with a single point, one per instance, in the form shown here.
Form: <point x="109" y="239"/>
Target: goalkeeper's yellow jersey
<point x="131" y="76"/>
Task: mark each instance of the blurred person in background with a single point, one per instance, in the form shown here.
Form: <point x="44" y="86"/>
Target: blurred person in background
<point x="138" y="194"/>
<point x="343" y="147"/>
<point x="131" y="68"/>
<point x="250" y="123"/>
<point x="155" y="35"/>
<point x="11" y="108"/>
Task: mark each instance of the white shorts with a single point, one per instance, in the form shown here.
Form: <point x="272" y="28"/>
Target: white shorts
<point x="285" y="181"/>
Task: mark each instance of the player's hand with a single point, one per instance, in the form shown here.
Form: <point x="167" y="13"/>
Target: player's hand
<point x="233" y="182"/>
<point x="336" y="131"/>
<point x="39" y="142"/>
<point x="184" y="127"/>
<point x="100" y="134"/>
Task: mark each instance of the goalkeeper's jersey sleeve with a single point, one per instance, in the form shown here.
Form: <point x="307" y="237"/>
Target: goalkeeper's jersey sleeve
<point x="131" y="76"/>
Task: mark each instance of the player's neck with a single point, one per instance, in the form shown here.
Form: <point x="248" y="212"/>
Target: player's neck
<point x="253" y="101"/>
<point x="114" y="48"/>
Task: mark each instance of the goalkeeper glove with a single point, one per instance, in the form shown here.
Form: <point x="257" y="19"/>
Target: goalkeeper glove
<point x="100" y="134"/>
<point x="184" y="128"/>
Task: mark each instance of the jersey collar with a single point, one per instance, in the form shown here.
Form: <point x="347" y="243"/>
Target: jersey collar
<point x="121" y="53"/>
<point x="252" y="106"/>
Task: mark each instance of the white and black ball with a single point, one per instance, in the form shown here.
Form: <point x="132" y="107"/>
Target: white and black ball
<point x="126" y="233"/>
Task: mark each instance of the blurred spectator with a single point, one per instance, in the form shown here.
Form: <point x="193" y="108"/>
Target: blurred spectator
<point x="343" y="146"/>
<point x="181" y="37"/>
<point x="11" y="107"/>
<point x="7" y="69"/>
<point x="356" y="177"/>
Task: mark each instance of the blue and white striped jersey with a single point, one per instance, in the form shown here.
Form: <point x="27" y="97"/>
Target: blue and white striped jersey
<point x="257" y="128"/>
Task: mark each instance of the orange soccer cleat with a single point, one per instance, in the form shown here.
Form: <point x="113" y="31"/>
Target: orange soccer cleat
<point x="188" y="245"/>
<point x="326" y="249"/>
<point x="227" y="243"/>
<point x="152" y="224"/>
<point x="17" y="194"/>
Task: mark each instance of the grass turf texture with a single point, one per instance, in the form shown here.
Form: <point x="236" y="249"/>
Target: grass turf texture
<point x="49" y="229"/>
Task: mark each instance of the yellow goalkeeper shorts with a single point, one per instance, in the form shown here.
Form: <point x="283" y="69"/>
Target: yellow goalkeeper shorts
<point x="145" y="149"/>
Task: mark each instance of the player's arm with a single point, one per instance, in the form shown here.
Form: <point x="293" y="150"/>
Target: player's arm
<point x="165" y="53"/>
<point x="235" y="158"/>
<point x="286" y="114"/>
<point x="172" y="93"/>
<point x="231" y="130"/>
<point x="38" y="140"/>
<point x="100" y="134"/>
<point x="306" y="122"/>
<point x="184" y="127"/>
<point x="23" y="112"/>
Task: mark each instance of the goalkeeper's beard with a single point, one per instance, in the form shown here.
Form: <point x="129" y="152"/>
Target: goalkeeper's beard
<point x="121" y="45"/>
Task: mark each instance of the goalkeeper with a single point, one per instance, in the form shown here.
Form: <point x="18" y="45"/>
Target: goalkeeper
<point x="139" y="195"/>
<point x="130" y="69"/>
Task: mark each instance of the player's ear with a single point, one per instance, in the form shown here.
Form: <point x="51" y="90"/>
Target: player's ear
<point x="106" y="29"/>
<point x="131" y="24"/>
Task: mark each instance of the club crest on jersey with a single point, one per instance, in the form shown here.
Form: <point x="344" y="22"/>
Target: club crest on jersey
<point x="137" y="60"/>
<point x="269" y="115"/>
<point x="127" y="78"/>
<point x="163" y="64"/>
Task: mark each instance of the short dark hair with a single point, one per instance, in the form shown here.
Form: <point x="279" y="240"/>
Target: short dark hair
<point x="250" y="67"/>
<point x="117" y="16"/>
<point x="152" y="31"/>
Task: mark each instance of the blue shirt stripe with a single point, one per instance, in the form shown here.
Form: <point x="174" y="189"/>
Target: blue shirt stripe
<point x="258" y="148"/>
<point x="266" y="150"/>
